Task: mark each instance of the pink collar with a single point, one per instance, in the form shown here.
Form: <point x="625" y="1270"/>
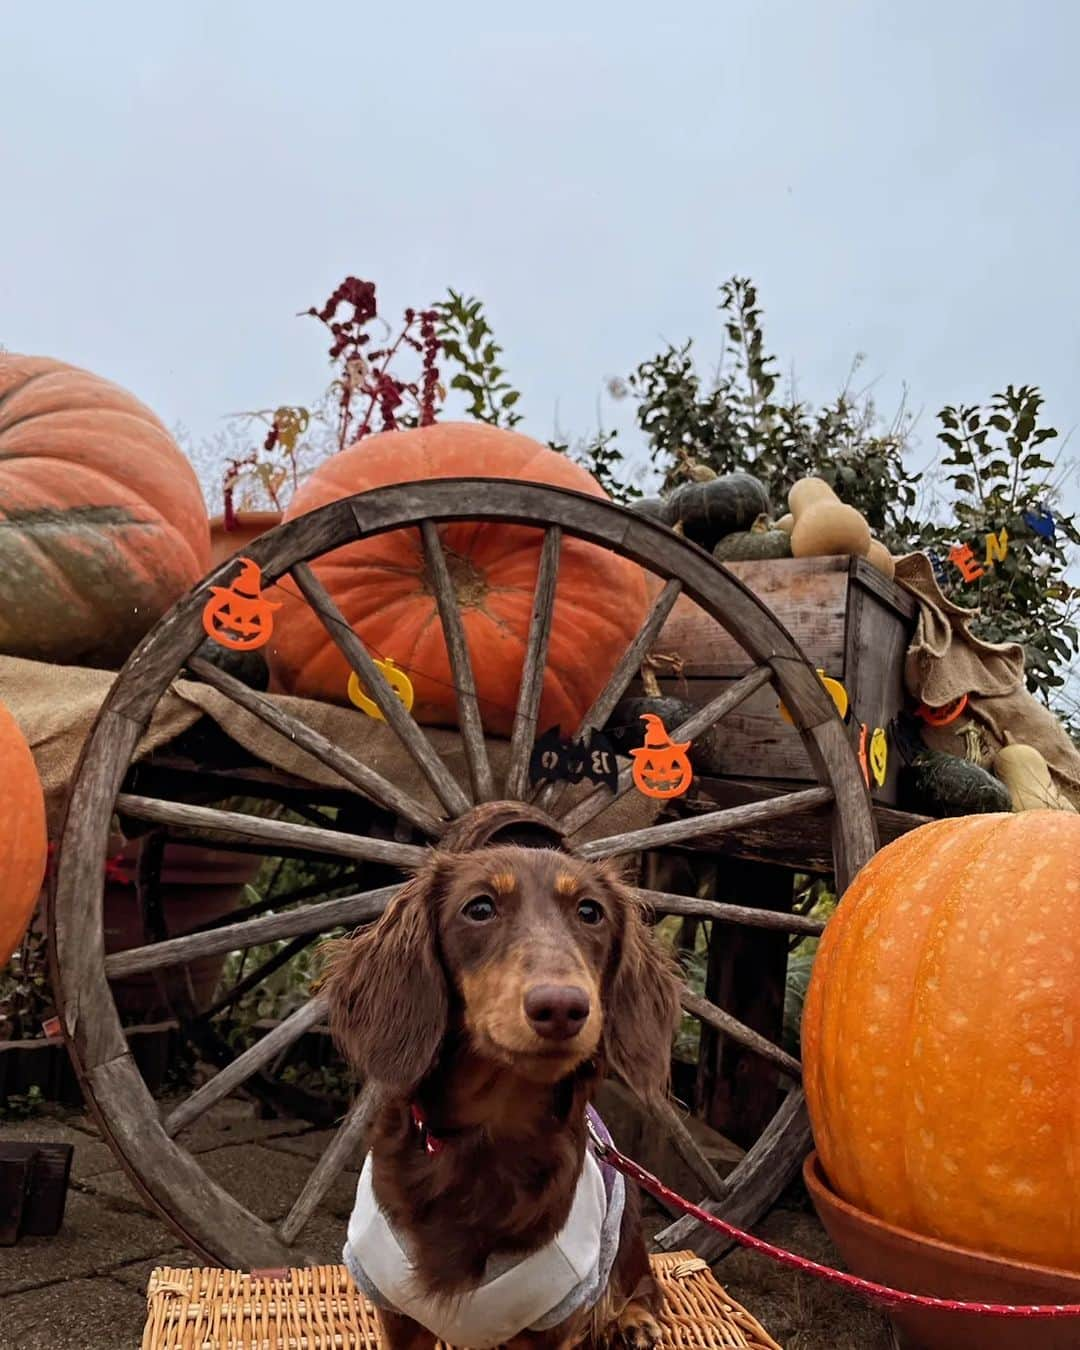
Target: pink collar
<point x="430" y="1142"/>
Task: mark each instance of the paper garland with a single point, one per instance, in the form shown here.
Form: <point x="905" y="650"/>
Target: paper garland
<point x="239" y="616"/>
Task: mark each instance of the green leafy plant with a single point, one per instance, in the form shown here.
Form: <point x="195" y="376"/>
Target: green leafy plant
<point x="466" y="339"/>
<point x="25" y="993"/>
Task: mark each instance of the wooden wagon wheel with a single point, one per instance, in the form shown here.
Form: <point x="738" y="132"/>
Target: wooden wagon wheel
<point x="151" y="1148"/>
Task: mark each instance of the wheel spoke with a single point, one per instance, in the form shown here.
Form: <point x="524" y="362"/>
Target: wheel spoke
<point x="373" y="785"/>
<point x="344" y="1144"/>
<point x="256" y="976"/>
<point x="225" y="826"/>
<point x="599" y="799"/>
<point x="706" y="1011"/>
<point x="469" y="718"/>
<point x="604" y="704"/>
<point x="710" y="823"/>
<point x="444" y="786"/>
<point x="664" y="902"/>
<point x="532" y="672"/>
<point x="226" y="1080"/>
<point x="323" y="918"/>
<point x="668" y="1119"/>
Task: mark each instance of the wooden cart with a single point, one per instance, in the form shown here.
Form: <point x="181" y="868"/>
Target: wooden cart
<point x="381" y="827"/>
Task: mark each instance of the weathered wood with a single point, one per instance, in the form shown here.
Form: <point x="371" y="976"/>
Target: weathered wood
<point x="752" y="1187"/>
<point x="806" y="595"/>
<point x="231" y="1234"/>
<point x="663" y="902"/>
<point x="321" y="918"/>
<point x="738" y="1092"/>
<point x="372" y="784"/>
<point x="523" y="732"/>
<point x="706" y="1011"/>
<point x="600" y="799"/>
<point x="401" y="723"/>
<point x="605" y="702"/>
<point x="470" y="720"/>
<point x="161" y="1171"/>
<point x="234" y="1075"/>
<point x="854" y="831"/>
<point x="668" y="1121"/>
<point x="223" y="826"/>
<point x="346" y="1142"/>
<point x="712" y="823"/>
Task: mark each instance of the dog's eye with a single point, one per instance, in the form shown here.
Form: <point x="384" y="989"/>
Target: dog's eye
<point x="480" y="909"/>
<point x="589" y="911"/>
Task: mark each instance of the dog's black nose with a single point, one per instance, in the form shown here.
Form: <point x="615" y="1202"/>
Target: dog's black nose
<point x="556" y="1011"/>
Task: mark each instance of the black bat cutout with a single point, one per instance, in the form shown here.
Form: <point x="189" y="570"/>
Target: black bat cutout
<point x="556" y="759"/>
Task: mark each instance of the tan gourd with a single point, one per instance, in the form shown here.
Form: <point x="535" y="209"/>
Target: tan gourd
<point x="808" y="490"/>
<point x="1025" y="773"/>
<point x="828" y="527"/>
<point x="879" y="556"/>
<point x="785" y="523"/>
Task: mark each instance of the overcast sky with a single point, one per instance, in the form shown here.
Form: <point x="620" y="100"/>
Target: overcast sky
<point x="900" y="179"/>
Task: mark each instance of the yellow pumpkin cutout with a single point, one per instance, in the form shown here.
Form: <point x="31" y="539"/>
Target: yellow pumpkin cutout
<point x="661" y="767"/>
<point x="398" y="681"/>
<point x="836" y="692"/>
<point x="879" y="756"/>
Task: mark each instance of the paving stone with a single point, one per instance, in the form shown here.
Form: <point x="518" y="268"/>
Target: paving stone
<point x="264" y="1180"/>
<point x="76" y="1315"/>
<point x="137" y="1274"/>
<point x="233" y="1121"/>
<point x="94" y="1237"/>
<point x="313" y="1145"/>
<point x="91" y="1156"/>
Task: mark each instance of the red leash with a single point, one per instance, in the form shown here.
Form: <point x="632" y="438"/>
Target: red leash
<point x="879" y="1293"/>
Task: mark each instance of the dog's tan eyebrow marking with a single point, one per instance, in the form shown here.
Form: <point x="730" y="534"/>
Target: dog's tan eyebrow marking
<point x="565" y="884"/>
<point x="503" y="883"/>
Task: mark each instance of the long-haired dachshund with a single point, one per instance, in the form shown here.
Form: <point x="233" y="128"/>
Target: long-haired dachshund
<point x="487" y="1003"/>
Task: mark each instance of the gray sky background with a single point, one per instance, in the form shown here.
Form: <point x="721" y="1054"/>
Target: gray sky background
<point x="901" y="180"/>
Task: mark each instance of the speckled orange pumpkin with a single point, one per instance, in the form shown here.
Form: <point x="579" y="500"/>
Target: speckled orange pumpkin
<point x="22" y="835"/>
<point x="941" y="1036"/>
<point x="102" y="523"/>
<point x="382" y="587"/>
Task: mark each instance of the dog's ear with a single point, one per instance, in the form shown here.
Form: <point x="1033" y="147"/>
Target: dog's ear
<point x="387" y="991"/>
<point x="642" y="1008"/>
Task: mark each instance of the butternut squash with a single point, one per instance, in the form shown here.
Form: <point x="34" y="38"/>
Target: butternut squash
<point x="1025" y="773"/>
<point x="785" y="523"/>
<point x="827" y="527"/>
<point x="879" y="556"/>
<point x="808" y="490"/>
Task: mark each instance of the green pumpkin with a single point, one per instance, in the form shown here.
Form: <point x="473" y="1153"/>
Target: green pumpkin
<point x="762" y="540"/>
<point x="937" y="784"/>
<point x="654" y="508"/>
<point x="709" y="511"/>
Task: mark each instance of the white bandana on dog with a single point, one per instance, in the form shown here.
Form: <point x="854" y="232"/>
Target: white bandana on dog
<point x="534" y="1292"/>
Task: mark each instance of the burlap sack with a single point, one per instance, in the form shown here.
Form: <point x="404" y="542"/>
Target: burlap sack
<point x="946" y="660"/>
<point x="56" y="706"/>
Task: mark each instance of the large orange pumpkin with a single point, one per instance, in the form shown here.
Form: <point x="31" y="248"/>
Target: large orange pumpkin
<point x="941" y="1036"/>
<point x="382" y="587"/>
<point x="102" y="523"/>
<point x="23" y="843"/>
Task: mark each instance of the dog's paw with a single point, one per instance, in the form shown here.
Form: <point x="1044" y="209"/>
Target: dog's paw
<point x="638" y="1329"/>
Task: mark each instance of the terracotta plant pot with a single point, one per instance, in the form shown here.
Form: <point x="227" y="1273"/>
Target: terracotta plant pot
<point x="902" y="1260"/>
<point x="249" y="525"/>
<point x="198" y="885"/>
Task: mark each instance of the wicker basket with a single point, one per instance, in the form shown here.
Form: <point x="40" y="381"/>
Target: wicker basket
<point x="320" y="1308"/>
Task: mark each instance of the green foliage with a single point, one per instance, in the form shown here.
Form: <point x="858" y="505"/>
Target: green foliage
<point x="25" y="994"/>
<point x="996" y="466"/>
<point x="466" y="339"/>
<point x="818" y="901"/>
<point x="20" y="1106"/>
<point x="738" y="420"/>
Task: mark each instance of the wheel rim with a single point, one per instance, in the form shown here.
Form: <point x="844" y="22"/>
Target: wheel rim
<point x="209" y="1219"/>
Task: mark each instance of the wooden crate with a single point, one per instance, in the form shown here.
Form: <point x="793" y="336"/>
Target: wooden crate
<point x="851" y="622"/>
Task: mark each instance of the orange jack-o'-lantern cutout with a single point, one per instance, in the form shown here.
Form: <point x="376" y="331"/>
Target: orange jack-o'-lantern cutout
<point x="661" y="768"/>
<point x="943" y="716"/>
<point x="238" y="616"/>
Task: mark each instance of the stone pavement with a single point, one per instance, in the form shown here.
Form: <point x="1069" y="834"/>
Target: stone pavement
<point x="85" y="1289"/>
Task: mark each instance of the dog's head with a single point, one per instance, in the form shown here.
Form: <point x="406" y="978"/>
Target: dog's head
<point x="541" y="961"/>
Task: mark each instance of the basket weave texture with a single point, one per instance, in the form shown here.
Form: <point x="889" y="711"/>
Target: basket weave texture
<point x="319" y="1308"/>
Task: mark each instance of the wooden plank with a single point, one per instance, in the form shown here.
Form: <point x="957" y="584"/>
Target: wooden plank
<point x="523" y="732"/>
<point x="346" y="910"/>
<point x="372" y="784"/>
<point x="226" y="826"/>
<point x="738" y="1091"/>
<point x="808" y="597"/>
<point x="470" y="720"/>
<point x="901" y="602"/>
